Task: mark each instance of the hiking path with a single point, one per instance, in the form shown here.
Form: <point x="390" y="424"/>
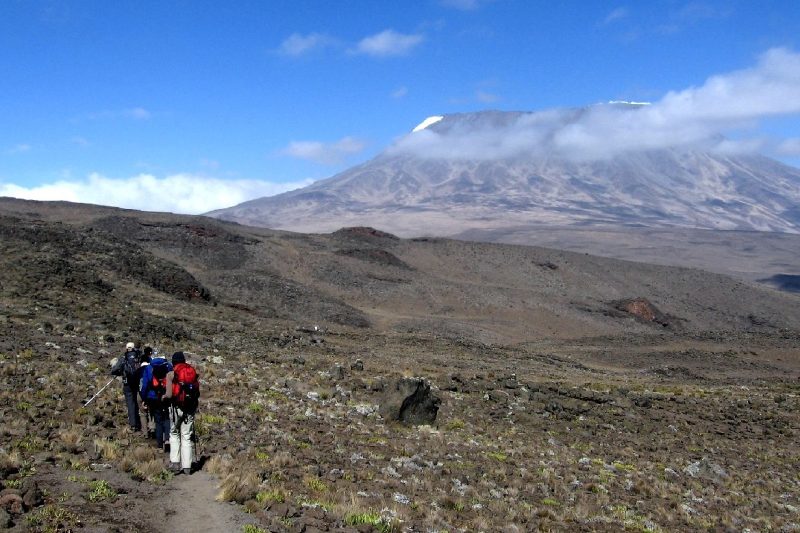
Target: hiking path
<point x="192" y="506"/>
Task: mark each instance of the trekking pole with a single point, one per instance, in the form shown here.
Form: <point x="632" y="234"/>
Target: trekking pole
<point x="98" y="392"/>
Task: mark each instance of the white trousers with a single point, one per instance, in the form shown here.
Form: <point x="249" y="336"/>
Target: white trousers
<point x="181" y="437"/>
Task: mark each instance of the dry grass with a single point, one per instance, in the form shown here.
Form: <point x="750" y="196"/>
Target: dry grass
<point x="239" y="486"/>
<point x="10" y="463"/>
<point x="153" y="470"/>
<point x="109" y="449"/>
<point x="70" y="440"/>
<point x="219" y="465"/>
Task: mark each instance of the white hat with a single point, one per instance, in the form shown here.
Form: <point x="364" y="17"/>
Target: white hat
<point x="130" y="346"/>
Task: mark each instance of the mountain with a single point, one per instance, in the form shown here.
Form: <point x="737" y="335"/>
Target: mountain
<point x="568" y="167"/>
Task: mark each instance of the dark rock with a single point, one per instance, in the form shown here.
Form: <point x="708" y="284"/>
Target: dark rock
<point x="510" y="382"/>
<point x="299" y="361"/>
<point x="31" y="495"/>
<point x="5" y="519"/>
<point x="643" y="310"/>
<point x="357" y="365"/>
<point x="377" y="385"/>
<point x="337" y="372"/>
<point x="643" y="401"/>
<point x="498" y="396"/>
<point x="281" y="510"/>
<point x="410" y="401"/>
<point x="315" y="513"/>
<point x="12" y="503"/>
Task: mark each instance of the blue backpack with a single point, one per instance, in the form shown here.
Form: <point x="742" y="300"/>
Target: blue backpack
<point x="156" y="375"/>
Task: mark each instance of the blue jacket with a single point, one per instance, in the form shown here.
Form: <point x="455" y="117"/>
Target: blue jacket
<point x="147" y="392"/>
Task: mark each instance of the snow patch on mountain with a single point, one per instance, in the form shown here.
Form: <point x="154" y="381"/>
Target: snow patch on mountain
<point x="427" y="122"/>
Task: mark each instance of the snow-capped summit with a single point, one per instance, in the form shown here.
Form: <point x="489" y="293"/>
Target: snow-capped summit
<point x="427" y="122"/>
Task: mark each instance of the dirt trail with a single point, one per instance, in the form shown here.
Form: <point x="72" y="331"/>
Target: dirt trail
<point x="192" y="505"/>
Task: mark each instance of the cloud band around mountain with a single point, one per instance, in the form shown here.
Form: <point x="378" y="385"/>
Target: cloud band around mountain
<point x="694" y="116"/>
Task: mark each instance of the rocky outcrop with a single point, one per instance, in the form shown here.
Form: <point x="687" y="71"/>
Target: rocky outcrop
<point x="409" y="401"/>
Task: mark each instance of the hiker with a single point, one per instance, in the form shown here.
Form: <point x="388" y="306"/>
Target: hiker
<point x="183" y="391"/>
<point x="148" y="422"/>
<point x="127" y="366"/>
<point x="154" y="385"/>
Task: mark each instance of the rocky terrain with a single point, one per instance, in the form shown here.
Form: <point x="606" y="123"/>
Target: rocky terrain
<point x="356" y="381"/>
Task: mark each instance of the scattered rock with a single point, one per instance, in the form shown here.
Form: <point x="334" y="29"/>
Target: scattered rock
<point x="31" y="494"/>
<point x="357" y="365"/>
<point x="337" y="372"/>
<point x="643" y="310"/>
<point x="12" y="503"/>
<point x="410" y="401"/>
<point x="705" y="469"/>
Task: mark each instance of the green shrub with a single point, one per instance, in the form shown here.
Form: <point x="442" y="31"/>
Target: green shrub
<point x="456" y="423"/>
<point x="250" y="528"/>
<point x="497" y="456"/>
<point x="271" y="495"/>
<point x="371" y="518"/>
<point x="101" y="490"/>
<point x="52" y="518"/>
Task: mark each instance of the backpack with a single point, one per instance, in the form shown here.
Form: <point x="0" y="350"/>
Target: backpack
<point x="131" y="366"/>
<point x="185" y="387"/>
<point x="158" y="382"/>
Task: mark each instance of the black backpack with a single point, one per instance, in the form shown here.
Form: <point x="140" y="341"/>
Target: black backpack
<point x="131" y="366"/>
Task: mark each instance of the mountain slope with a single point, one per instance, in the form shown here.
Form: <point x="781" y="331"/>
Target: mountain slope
<point x="492" y="170"/>
<point x="355" y="277"/>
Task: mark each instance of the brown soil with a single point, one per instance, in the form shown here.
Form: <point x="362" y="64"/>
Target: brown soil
<point x="191" y="505"/>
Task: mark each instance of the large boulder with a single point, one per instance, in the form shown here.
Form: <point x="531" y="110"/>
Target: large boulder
<point x="409" y="401"/>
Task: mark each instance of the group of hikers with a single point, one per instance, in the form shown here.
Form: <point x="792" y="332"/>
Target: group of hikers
<point x="169" y="391"/>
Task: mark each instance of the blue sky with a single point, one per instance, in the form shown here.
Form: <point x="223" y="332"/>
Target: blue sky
<point x="189" y="106"/>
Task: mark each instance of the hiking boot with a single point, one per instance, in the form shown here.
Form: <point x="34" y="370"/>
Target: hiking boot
<point x="175" y="468"/>
<point x="187" y="471"/>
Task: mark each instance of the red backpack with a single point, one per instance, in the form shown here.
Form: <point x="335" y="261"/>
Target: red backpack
<point x="185" y="387"/>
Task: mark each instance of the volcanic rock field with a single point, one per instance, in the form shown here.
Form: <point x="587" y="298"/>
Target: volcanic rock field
<point x="356" y="381"/>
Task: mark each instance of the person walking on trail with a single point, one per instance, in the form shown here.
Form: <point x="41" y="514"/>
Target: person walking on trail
<point x="148" y="423"/>
<point x="154" y="386"/>
<point x="127" y="366"/>
<point x="183" y="391"/>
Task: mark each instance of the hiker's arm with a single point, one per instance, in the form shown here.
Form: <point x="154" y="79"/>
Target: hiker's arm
<point x="168" y="392"/>
<point x="116" y="370"/>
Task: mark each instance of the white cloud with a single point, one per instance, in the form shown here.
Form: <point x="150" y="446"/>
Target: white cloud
<point x="20" y="148"/>
<point x="465" y="5"/>
<point x="400" y="92"/>
<point x="486" y="97"/>
<point x="81" y="141"/>
<point x="137" y="113"/>
<point x="789" y="147"/>
<point x="388" y="43"/>
<point x="324" y="153"/>
<point x="296" y="44"/>
<point x="695" y="116"/>
<point x="178" y="193"/>
<point x="617" y="14"/>
<point x="134" y="113"/>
